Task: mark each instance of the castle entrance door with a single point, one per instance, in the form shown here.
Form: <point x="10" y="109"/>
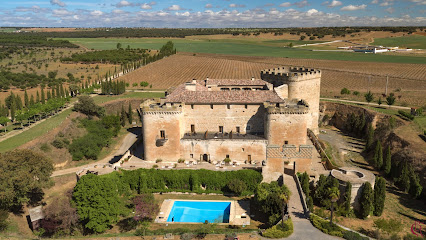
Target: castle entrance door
<point x="205" y="157"/>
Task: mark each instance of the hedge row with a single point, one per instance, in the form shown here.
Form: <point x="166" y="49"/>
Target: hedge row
<point x="334" y="230"/>
<point x="280" y="230"/>
<point x="406" y="115"/>
<point x="198" y="181"/>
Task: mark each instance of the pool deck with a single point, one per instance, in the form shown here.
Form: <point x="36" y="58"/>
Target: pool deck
<point x="239" y="213"/>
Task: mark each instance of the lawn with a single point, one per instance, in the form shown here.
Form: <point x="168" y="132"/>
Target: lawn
<point x="56" y="120"/>
<point x="412" y="41"/>
<point x="248" y="48"/>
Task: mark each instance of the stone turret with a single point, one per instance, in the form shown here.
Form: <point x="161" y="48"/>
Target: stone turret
<point x="297" y="83"/>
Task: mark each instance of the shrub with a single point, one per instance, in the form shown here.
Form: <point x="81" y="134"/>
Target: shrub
<point x="57" y="143"/>
<point x="366" y="200"/>
<point x="379" y="196"/>
<point x="181" y="160"/>
<point x="45" y="147"/>
<point x="326" y="227"/>
<point x="158" y="160"/>
<point x="349" y="235"/>
<point x="389" y="226"/>
<point x="280" y="230"/>
<point x="356" y="93"/>
<point x="237" y="186"/>
<point x="345" y="91"/>
<point x="227" y="160"/>
<point x="155" y="166"/>
<point x="187" y="236"/>
<point x="406" y="115"/>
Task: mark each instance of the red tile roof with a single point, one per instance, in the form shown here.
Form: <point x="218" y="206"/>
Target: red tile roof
<point x="236" y="82"/>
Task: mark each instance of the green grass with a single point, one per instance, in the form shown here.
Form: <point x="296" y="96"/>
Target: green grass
<point x="421" y="122"/>
<point x="412" y="41"/>
<point x="247" y="48"/>
<point x="56" y="120"/>
<point x="34" y="132"/>
<point x="383" y="109"/>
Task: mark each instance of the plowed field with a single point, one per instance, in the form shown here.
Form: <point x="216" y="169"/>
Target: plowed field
<point x="408" y="81"/>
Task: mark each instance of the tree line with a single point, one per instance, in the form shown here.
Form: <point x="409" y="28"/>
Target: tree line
<point x="32" y="40"/>
<point x="116" y="56"/>
<point x="28" y="80"/>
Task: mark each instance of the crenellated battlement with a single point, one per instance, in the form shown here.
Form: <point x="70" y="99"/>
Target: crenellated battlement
<point x="152" y="106"/>
<point x="291" y="107"/>
<point x="290" y="74"/>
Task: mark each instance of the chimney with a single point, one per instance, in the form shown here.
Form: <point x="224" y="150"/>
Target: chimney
<point x="194" y="81"/>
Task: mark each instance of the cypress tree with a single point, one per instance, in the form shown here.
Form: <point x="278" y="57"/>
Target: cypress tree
<point x="32" y="100"/>
<point x="123" y="116"/>
<point x="388" y="161"/>
<point x="404" y="176"/>
<point x="415" y="186"/>
<point x="48" y="95"/>
<point x="366" y="200"/>
<point x="53" y="93"/>
<point x="37" y="97"/>
<point x="12" y="110"/>
<point x="18" y="101"/>
<point x="43" y="99"/>
<point x="58" y="92"/>
<point x="379" y="196"/>
<point x="369" y="137"/>
<point x="26" y="99"/>
<point x="378" y="156"/>
<point x="130" y="113"/>
<point x="62" y="91"/>
<point x="348" y="196"/>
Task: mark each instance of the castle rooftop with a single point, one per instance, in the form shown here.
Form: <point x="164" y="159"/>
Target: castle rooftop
<point x="196" y="92"/>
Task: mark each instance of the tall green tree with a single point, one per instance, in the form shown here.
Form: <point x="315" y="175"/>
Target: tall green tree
<point x="333" y="194"/>
<point x="32" y="102"/>
<point x="378" y="155"/>
<point x="348" y="198"/>
<point x="390" y="100"/>
<point x="26" y="99"/>
<point x="415" y="186"/>
<point x="97" y="201"/>
<point x="366" y="200"/>
<point x="13" y="111"/>
<point x="379" y="196"/>
<point x="388" y="161"/>
<point x="49" y="95"/>
<point x="24" y="175"/>
<point x="43" y="98"/>
<point x="130" y="113"/>
<point x="19" y="104"/>
<point x="3" y="121"/>
<point x="369" y="138"/>
<point x="123" y="116"/>
<point x="37" y="97"/>
<point x="369" y="97"/>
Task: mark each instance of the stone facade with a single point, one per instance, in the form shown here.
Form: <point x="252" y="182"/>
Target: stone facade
<point x="212" y="119"/>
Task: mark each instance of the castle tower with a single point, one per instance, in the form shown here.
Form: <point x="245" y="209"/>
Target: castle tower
<point x="300" y="83"/>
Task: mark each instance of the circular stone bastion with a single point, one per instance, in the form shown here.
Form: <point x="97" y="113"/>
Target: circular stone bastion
<point x="357" y="177"/>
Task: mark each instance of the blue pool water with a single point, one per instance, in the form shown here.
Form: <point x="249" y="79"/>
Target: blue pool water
<point x="199" y="212"/>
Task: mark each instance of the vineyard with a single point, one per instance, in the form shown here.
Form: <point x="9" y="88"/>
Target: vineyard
<point x="406" y="80"/>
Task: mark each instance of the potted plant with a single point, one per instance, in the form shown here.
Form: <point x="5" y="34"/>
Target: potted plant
<point x="227" y="161"/>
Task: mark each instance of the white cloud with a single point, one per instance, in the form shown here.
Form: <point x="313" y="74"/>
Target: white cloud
<point x="390" y="10"/>
<point x="301" y="4"/>
<point x="311" y="12"/>
<point x="96" y="13"/>
<point x="334" y="3"/>
<point x="60" y="12"/>
<point x="123" y="3"/>
<point x="233" y="5"/>
<point x="375" y="2"/>
<point x="418" y="2"/>
<point x="385" y="4"/>
<point x="146" y="6"/>
<point x="353" y="7"/>
<point x="118" y="11"/>
<point x="174" y="8"/>
<point x="285" y="4"/>
<point x="57" y="2"/>
<point x="208" y="5"/>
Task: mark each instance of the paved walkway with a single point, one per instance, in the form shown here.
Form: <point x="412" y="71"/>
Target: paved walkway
<point x="365" y="103"/>
<point x="303" y="228"/>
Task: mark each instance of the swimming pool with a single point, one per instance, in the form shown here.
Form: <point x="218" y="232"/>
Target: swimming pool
<point x="200" y="211"/>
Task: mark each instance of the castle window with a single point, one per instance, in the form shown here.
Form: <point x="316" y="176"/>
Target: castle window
<point x="243" y="149"/>
<point x="191" y="155"/>
<point x="163" y="134"/>
<point x="192" y="128"/>
<point x="228" y="106"/>
<point x="227" y="155"/>
<point x="238" y="129"/>
<point x="221" y="129"/>
<point x="192" y="106"/>
<point x="235" y="89"/>
<point x="245" y="106"/>
<point x="285" y="142"/>
<point x="211" y="106"/>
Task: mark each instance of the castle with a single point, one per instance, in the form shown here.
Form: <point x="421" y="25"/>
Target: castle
<point x="246" y="120"/>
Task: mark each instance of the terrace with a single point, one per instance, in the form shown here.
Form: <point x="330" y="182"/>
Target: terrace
<point x="222" y="136"/>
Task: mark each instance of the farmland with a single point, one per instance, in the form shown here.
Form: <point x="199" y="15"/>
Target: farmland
<point x="406" y="79"/>
<point x="238" y="46"/>
<point x="413" y="41"/>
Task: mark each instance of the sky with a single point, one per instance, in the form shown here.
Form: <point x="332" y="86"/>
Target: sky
<point x="211" y="13"/>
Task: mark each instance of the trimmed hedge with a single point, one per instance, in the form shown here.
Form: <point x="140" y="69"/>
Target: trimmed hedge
<point x="326" y="227"/>
<point x="280" y="231"/>
<point x="155" y="180"/>
<point x="353" y="236"/>
<point x="406" y="115"/>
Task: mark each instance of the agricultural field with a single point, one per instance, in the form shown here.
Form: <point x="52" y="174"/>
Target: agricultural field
<point x="243" y="47"/>
<point x="406" y="80"/>
<point x="412" y="41"/>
